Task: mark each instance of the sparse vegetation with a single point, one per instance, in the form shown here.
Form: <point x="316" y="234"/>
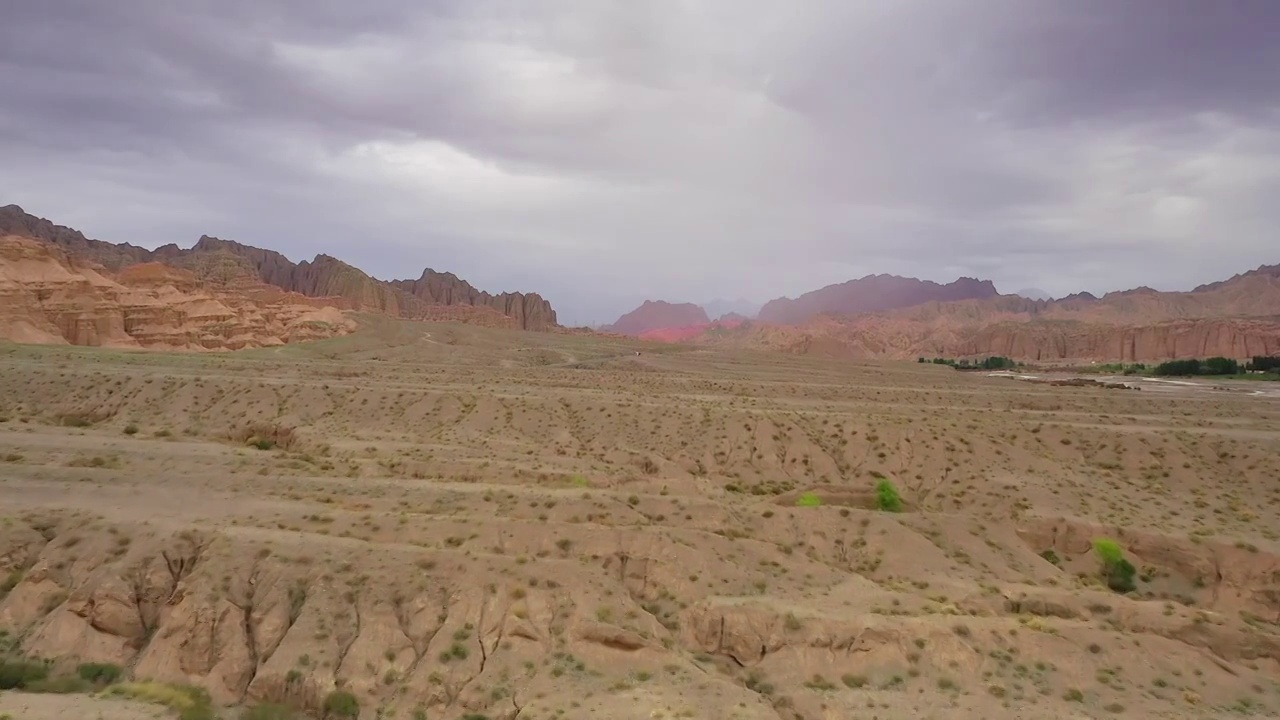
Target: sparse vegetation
<point x="269" y="711"/>
<point x="100" y="673"/>
<point x="340" y="704"/>
<point x="435" y="545"/>
<point x="809" y="500"/>
<point x="887" y="497"/>
<point x="17" y="674"/>
<point x="1116" y="570"/>
<point x="190" y="703"/>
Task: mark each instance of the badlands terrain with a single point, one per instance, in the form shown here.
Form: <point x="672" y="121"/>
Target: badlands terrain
<point x="451" y="521"/>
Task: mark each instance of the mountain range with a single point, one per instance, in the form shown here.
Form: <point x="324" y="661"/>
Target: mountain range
<point x="870" y="294"/>
<point x="904" y="318"/>
<point x="59" y="286"/>
<point x="220" y="266"/>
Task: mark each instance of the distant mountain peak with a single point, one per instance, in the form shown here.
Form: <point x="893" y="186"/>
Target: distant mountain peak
<point x="873" y="293"/>
<point x="657" y="315"/>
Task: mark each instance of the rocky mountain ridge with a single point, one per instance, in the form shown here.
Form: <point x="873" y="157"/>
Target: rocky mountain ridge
<point x="1237" y="318"/>
<point x="657" y="315"/>
<point x="50" y="297"/>
<point x="872" y="293"/>
<point x="324" y="276"/>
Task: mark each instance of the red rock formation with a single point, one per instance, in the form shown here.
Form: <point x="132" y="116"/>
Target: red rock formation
<point x="1237" y="318"/>
<point x="688" y="332"/>
<point x="656" y="315"/>
<point x="1174" y="339"/>
<point x="229" y="262"/>
<point x="49" y="297"/>
<point x="872" y="293"/>
<point x="529" y="310"/>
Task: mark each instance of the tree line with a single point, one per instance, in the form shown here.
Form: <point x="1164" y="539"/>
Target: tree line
<point x="994" y="362"/>
<point x="1217" y="366"/>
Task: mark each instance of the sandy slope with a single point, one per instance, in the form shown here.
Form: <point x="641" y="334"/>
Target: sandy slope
<point x="477" y="522"/>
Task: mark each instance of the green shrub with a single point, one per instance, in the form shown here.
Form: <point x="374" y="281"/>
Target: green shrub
<point x="60" y="685"/>
<point x="1109" y="550"/>
<point x="262" y="443"/>
<point x="809" y="499"/>
<point x="341" y="704"/>
<point x="1051" y="556"/>
<point x="100" y="673"/>
<point x="887" y="497"/>
<point x="130" y="429"/>
<point x="10" y="582"/>
<point x="190" y="702"/>
<point x="18" y="674"/>
<point x="269" y="711"/>
<point x="1116" y="570"/>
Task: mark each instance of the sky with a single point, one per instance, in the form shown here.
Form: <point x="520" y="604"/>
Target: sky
<point x="603" y="152"/>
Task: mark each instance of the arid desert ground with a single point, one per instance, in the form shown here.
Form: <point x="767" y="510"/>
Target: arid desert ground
<point x="457" y="522"/>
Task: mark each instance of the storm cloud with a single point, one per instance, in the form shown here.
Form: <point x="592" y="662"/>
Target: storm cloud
<point x="604" y="152"/>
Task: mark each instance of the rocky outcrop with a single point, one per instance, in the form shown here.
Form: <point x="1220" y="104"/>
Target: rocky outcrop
<point x="1021" y="338"/>
<point x="658" y="315"/>
<point x="48" y="297"/>
<point x="342" y="285"/>
<point x="529" y="310"/>
<point x="1237" y="318"/>
<point x="1235" y="338"/>
<point x="248" y="621"/>
<point x="872" y="293"/>
<point x="15" y="221"/>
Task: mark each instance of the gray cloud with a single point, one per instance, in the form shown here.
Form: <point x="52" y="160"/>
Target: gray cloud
<point x="601" y="152"/>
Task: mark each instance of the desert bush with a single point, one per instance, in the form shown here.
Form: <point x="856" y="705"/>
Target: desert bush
<point x="100" y="673"/>
<point x="1116" y="570"/>
<point x="60" y="685"/>
<point x="10" y="582"/>
<point x="269" y="711"/>
<point x="19" y="674"/>
<point x="341" y="704"/>
<point x="190" y="703"/>
<point x="887" y="497"/>
<point x="809" y="499"/>
<point x="265" y="436"/>
<point x="130" y="429"/>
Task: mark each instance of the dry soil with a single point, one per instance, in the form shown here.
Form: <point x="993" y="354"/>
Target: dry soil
<point x="456" y="522"/>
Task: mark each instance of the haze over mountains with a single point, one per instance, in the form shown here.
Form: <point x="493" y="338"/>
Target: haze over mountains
<point x="904" y="318"/>
<point x="61" y="286"/>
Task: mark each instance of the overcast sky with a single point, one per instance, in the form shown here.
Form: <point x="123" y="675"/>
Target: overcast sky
<point x="603" y="152"/>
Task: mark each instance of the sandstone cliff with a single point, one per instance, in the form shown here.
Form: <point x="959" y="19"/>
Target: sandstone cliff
<point x="1237" y="318"/>
<point x="872" y="293"/>
<point x="48" y="297"/>
<point x="529" y="310"/>
<point x="1066" y="340"/>
<point x="876" y="336"/>
<point x="231" y="263"/>
<point x="658" y="315"/>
